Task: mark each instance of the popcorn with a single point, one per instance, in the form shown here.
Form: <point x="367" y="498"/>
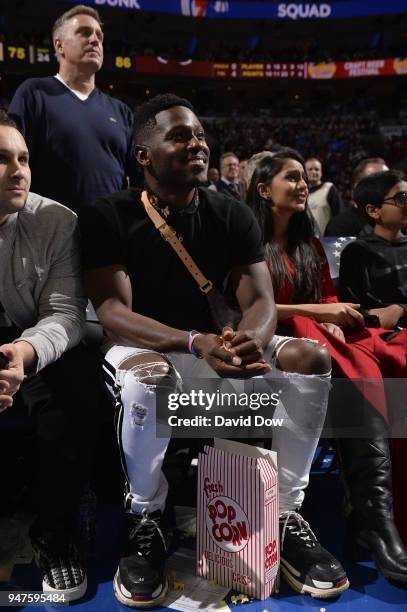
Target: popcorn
<point x="237" y="529"/>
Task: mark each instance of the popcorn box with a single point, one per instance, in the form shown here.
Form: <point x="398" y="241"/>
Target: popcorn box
<point x="238" y="510"/>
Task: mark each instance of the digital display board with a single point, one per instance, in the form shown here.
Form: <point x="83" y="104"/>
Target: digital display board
<point x="19" y="54"/>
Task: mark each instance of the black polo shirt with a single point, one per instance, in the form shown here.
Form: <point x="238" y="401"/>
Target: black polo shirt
<point x="218" y="232"/>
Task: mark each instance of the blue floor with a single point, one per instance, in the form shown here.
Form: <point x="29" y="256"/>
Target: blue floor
<point x="368" y="590"/>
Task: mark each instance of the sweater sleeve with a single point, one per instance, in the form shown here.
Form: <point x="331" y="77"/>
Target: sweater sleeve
<point x="134" y="175"/>
<point x="62" y="303"/>
<point x="24" y="111"/>
<point x="335" y="201"/>
<point x="353" y="279"/>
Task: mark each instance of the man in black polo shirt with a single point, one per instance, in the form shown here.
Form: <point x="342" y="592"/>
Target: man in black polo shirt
<point x="159" y="329"/>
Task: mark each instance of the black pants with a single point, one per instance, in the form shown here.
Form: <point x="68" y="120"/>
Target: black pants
<point x="56" y="413"/>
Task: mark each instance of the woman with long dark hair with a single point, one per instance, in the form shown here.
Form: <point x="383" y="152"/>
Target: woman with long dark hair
<point x="302" y="285"/>
<point x="308" y="305"/>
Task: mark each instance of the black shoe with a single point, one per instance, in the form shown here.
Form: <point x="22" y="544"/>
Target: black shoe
<point x="305" y="564"/>
<point x="140" y="580"/>
<point x="58" y="560"/>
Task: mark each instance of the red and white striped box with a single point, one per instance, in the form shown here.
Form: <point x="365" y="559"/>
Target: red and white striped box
<point x="237" y="528"/>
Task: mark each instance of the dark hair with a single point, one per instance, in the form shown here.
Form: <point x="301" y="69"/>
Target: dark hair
<point x="6" y="121"/>
<point x="359" y="171"/>
<point x="79" y="9"/>
<point x="144" y="116"/>
<point x="300" y="233"/>
<point x="373" y="189"/>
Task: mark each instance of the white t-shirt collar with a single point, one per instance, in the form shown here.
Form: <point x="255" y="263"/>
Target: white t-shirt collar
<point x="78" y="94"/>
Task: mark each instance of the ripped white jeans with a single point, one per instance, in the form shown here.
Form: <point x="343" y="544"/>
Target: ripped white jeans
<point x="142" y="453"/>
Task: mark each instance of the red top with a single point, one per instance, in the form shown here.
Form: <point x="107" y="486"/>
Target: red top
<point x="329" y="296"/>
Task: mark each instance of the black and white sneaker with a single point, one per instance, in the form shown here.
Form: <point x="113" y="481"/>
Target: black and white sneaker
<point x="59" y="562"/>
<point x="140" y="581"/>
<point x="306" y="566"/>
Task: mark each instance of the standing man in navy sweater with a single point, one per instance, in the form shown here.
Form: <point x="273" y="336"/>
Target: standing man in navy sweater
<point x="79" y="138"/>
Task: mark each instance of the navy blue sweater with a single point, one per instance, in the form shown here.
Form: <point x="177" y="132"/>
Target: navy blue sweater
<point x="79" y="150"/>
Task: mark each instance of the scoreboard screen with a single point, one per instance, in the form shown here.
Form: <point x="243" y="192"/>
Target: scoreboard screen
<point x="119" y="61"/>
<point x="123" y="62"/>
<point x="43" y="55"/>
<point x="14" y="53"/>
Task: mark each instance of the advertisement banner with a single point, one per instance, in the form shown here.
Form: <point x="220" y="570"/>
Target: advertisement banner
<point x="358" y="68"/>
<point x="257" y="10"/>
<point x="272" y="70"/>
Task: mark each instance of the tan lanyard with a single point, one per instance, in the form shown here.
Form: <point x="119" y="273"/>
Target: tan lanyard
<point x="170" y="236"/>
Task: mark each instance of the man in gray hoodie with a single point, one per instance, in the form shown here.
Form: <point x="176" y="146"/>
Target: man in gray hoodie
<point x="42" y="319"/>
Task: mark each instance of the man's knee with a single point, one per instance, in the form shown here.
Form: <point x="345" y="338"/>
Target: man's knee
<point x="151" y="369"/>
<point x="304" y="357"/>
